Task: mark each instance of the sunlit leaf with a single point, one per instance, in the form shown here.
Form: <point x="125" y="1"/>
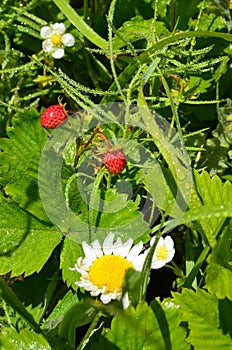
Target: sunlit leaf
<point x="155" y="327"/>
<point x="136" y="29"/>
<point x="211" y="203"/>
<point x="201" y="312"/>
<point x="71" y="251"/>
<point x="25" y="242"/>
<point x="19" y="161"/>
<point x="25" y="339"/>
<point x="219" y="271"/>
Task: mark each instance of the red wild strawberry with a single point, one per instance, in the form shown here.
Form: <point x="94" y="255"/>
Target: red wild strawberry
<point x="53" y="116"/>
<point x="115" y="161"/>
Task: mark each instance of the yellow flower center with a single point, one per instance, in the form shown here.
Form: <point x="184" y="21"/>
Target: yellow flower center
<point x="56" y="39"/>
<point x="161" y="252"/>
<point x="109" y="271"/>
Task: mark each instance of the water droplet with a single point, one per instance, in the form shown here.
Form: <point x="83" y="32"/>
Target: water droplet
<point x="187" y="186"/>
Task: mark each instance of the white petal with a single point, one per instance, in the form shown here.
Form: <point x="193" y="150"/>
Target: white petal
<point x="169" y="242"/>
<point x="97" y="248"/>
<point x="58" y="28"/>
<point x="85" y="284"/>
<point x="124" y="251"/>
<point x="157" y="264"/>
<point x="105" y="298"/>
<point x="160" y="242"/>
<point x="89" y="251"/>
<point x="108" y="244"/>
<point x="117" y="247"/>
<point x="68" y="39"/>
<point x="170" y="255"/>
<point x="95" y="291"/>
<point x="125" y="301"/>
<point x="47" y="45"/>
<point x="134" y="252"/>
<point x="86" y="263"/>
<point x="45" y="32"/>
<point x="58" y="52"/>
<point x="139" y="262"/>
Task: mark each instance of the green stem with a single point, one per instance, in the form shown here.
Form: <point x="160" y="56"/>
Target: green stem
<point x="4" y="304"/>
<point x="95" y="199"/>
<point x="110" y="30"/>
<point x="80" y="24"/>
<point x="105" y="139"/>
<point x="86" y="9"/>
<point x="146" y="269"/>
<point x="89" y="332"/>
<point x="189" y="280"/>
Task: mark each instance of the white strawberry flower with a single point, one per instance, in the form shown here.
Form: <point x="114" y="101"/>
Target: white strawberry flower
<point x="56" y="39"/>
<point x="164" y="252"/>
<point x="103" y="267"/>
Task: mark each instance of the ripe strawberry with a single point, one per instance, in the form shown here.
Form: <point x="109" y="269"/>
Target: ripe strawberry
<point x="53" y="116"/>
<point x="115" y="161"/>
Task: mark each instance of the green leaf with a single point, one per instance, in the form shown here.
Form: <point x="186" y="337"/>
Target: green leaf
<point x="136" y="29"/>
<point x="7" y="294"/>
<point x="219" y="270"/>
<point x="119" y="219"/>
<point x="69" y="300"/>
<point x="210" y="204"/>
<point x="210" y="22"/>
<point x="151" y="328"/>
<point x="24" y="340"/>
<point x="201" y="312"/>
<point x="25" y="242"/>
<point x="36" y="291"/>
<point x="19" y="162"/>
<point x="169" y="318"/>
<point x="71" y="251"/>
<point x="79" y="315"/>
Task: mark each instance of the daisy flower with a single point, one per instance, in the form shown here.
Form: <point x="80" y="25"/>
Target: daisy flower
<point x="103" y="268"/>
<point x="56" y="39"/>
<point x="164" y="252"/>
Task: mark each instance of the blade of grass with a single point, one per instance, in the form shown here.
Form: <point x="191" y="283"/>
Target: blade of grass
<point x="81" y="25"/>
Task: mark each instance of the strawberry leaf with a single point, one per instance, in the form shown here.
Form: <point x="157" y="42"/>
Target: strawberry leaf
<point x="201" y="312"/>
<point x="25" y="242"/>
<point x="211" y="204"/>
<point x="71" y="251"/>
<point x="25" y="339"/>
<point x="19" y="161"/>
<point x="156" y="327"/>
<point x="219" y="271"/>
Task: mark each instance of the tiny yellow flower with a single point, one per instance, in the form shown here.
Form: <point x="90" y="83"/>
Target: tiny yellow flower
<point x="56" y="39"/>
